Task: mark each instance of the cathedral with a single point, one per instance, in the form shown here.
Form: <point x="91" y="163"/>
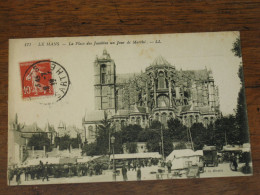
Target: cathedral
<point x="160" y="93"/>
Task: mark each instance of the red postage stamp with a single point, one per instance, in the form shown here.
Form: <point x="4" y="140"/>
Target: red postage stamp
<point x="36" y="78"/>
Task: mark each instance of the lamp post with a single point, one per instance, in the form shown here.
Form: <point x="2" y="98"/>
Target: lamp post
<point x="162" y="141"/>
<point x="160" y="144"/>
<point x="114" y="167"/>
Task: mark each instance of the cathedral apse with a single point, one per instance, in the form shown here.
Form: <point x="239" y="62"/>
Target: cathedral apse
<point x="159" y="93"/>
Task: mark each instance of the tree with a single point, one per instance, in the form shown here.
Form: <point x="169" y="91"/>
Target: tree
<point x="209" y="136"/>
<point x="237" y="48"/>
<point x="90" y="149"/>
<point x="39" y="141"/>
<point x="198" y="134"/>
<point x="241" y="115"/>
<point x="130" y="133"/>
<point x="152" y="138"/>
<point x="75" y="141"/>
<point x="118" y="145"/>
<point x="64" y="142"/>
<point x="226" y="131"/>
<point x="167" y="144"/>
<point x="156" y="125"/>
<point x="104" y="132"/>
<point x="180" y="146"/>
<point x="177" y="131"/>
<point x="131" y="147"/>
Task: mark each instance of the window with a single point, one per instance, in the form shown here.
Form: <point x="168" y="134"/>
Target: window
<point x="157" y="116"/>
<point x="191" y="120"/>
<point x="103" y="74"/>
<point x="206" y="121"/>
<point x="133" y="120"/>
<point x="161" y="80"/>
<point x="122" y="123"/>
<point x="163" y="101"/>
<point x="211" y="120"/>
<point x="91" y="131"/>
<point x="138" y="121"/>
<point x="197" y="118"/>
<point x="164" y="119"/>
<point x="117" y="125"/>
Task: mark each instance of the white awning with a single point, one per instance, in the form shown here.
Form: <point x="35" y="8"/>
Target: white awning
<point x="137" y="155"/>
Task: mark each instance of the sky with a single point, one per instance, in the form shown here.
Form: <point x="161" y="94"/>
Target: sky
<point x="190" y="51"/>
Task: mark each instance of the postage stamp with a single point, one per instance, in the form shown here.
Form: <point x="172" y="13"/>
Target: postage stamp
<point x="44" y="79"/>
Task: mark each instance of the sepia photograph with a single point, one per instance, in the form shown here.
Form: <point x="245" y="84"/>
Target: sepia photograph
<point x="127" y="108"/>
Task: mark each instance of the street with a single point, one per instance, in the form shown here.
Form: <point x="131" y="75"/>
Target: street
<point x="148" y="173"/>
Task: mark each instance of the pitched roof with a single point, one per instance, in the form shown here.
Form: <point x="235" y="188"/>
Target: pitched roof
<point x="96" y="115"/>
<point x="123" y="78"/>
<point x="160" y="61"/>
<point x="196" y="74"/>
<point x="31" y="128"/>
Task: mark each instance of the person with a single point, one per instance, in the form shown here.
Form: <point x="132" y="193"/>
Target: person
<point x="169" y="166"/>
<point x="45" y="172"/>
<point x="10" y="175"/>
<point x="134" y="165"/>
<point x="235" y="163"/>
<point x="129" y="165"/>
<point x="139" y="174"/>
<point x="124" y="173"/>
<point x="18" y="176"/>
<point x="26" y="173"/>
<point x="201" y="164"/>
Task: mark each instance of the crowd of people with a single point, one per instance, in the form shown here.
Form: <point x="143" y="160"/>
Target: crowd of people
<point x="45" y="171"/>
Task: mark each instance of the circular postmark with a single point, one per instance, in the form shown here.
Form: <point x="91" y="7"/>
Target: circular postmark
<point x="44" y="81"/>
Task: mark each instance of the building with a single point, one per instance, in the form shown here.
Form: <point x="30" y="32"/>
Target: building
<point x="71" y="131"/>
<point x="160" y="93"/>
<point x="19" y="136"/>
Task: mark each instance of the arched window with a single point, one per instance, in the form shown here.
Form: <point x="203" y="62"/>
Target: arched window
<point x="211" y="120"/>
<point x="133" y="120"/>
<point x="161" y="80"/>
<point x="197" y="119"/>
<point x="163" y="101"/>
<point x="117" y="125"/>
<point x="103" y="74"/>
<point x="91" y="131"/>
<point x="164" y="119"/>
<point x="157" y="116"/>
<point x="206" y="121"/>
<point x="185" y="120"/>
<point x="138" y="121"/>
<point x="191" y="120"/>
<point x="122" y="123"/>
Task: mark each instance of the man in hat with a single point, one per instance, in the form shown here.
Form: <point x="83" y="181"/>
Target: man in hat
<point x="45" y="172"/>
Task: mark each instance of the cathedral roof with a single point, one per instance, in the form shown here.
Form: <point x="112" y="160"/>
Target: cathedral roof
<point x="160" y="61"/>
<point x="186" y="108"/>
<point x="204" y="109"/>
<point x="201" y="109"/>
<point x="122" y="78"/>
<point x="96" y="115"/>
<point x="196" y="74"/>
<point x="121" y="113"/>
<point x="138" y="110"/>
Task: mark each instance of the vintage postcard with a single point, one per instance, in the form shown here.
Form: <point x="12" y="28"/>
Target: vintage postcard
<point x="127" y="108"/>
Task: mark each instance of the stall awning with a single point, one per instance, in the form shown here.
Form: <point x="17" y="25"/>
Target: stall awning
<point x="137" y="155"/>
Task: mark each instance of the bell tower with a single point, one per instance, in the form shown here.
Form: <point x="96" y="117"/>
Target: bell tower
<point x="105" y="82"/>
